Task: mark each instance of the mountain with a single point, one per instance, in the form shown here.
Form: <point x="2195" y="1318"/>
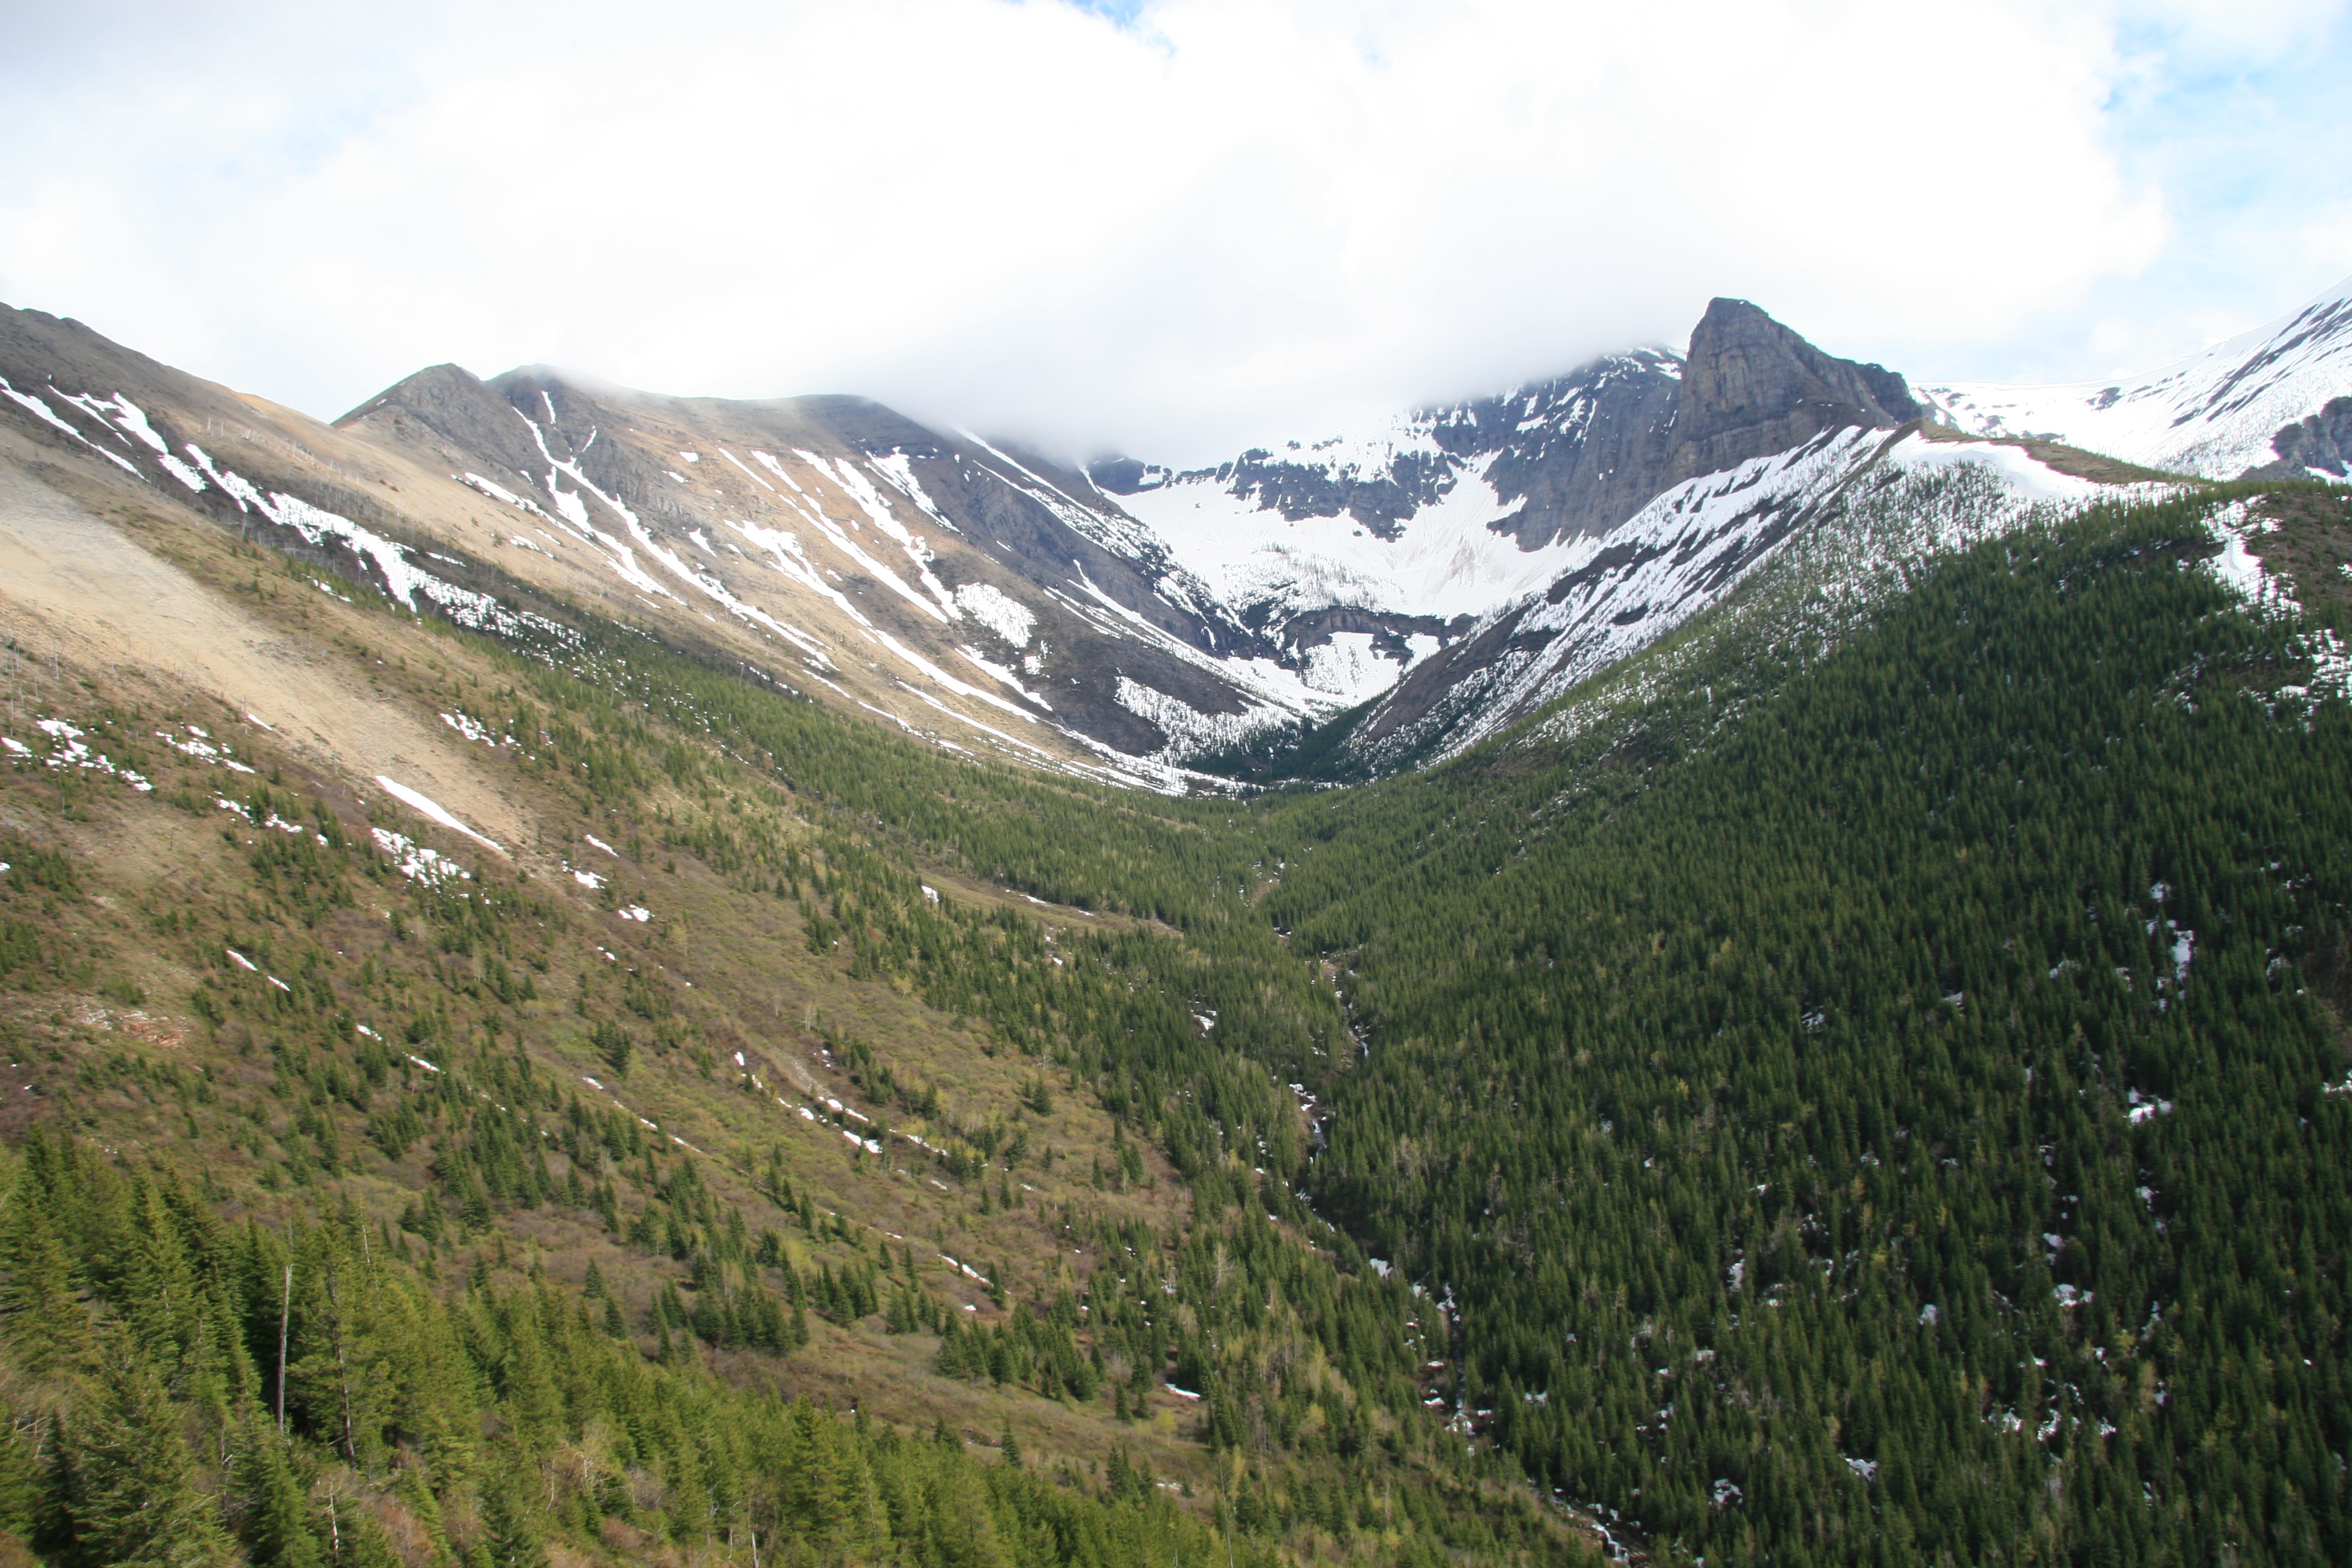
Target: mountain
<point x="1565" y="527"/>
<point x="2273" y="403"/>
<point x="981" y="599"/>
<point x="1379" y="549"/>
<point x="1435" y="579"/>
<point x="1099" y="623"/>
<point x="916" y="554"/>
<point x="1475" y="562"/>
<point x="512" y="1062"/>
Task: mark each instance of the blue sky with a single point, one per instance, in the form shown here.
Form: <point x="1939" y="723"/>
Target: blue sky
<point x="1161" y="226"/>
<point x="2247" y="138"/>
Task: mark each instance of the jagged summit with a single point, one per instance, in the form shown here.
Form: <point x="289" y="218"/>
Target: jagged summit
<point x="1128" y="621"/>
<point x="1451" y="511"/>
<point x="1751" y="386"/>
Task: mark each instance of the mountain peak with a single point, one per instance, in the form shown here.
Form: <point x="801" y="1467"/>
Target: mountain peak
<point x="1752" y="385"/>
<point x="451" y="408"/>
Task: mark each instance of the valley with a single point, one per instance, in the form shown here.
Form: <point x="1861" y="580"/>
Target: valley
<point x="1725" y="959"/>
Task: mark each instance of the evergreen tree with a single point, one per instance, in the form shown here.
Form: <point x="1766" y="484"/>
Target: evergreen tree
<point x="134" y="1498"/>
<point x="276" y="1526"/>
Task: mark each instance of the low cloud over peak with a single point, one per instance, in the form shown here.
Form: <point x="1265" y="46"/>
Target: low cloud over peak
<point x="1163" y="228"/>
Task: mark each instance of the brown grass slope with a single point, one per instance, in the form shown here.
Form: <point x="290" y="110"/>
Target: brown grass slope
<point x="215" y="1000"/>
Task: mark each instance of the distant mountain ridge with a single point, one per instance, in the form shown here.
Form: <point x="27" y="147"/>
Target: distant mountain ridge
<point x="1375" y="551"/>
<point x="1453" y="568"/>
<point x="1576" y="454"/>
<point x="2273" y="403"/>
<point x="986" y="598"/>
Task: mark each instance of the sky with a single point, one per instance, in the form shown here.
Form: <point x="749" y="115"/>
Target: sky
<point x="1166" y="227"/>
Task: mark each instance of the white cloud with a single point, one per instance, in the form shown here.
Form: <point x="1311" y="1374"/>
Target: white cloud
<point x="1232" y="217"/>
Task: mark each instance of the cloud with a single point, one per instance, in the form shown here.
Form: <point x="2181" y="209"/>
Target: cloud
<point x="1168" y="228"/>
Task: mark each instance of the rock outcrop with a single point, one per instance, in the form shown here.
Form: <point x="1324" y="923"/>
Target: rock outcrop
<point x="2318" y="443"/>
<point x="1751" y="387"/>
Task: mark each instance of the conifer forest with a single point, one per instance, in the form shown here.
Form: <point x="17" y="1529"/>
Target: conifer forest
<point x="1865" y="1081"/>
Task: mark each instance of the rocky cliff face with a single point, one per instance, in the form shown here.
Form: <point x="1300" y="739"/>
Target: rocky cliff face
<point x="1573" y="446"/>
<point x="2318" y="446"/>
<point x="1591" y="459"/>
<point x="1405" y="537"/>
<point x="1570" y="457"/>
<point x="1751" y="387"/>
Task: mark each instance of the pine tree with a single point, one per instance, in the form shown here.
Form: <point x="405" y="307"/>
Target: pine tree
<point x="135" y="1502"/>
<point x="516" y="1535"/>
<point x="276" y="1525"/>
<point x="44" y="1316"/>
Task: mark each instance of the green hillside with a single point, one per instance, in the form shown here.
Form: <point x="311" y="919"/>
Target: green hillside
<point x="1891" y="1125"/>
<point x="1856" y="1092"/>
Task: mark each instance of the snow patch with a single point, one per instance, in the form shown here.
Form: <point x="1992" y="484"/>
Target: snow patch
<point x="1007" y="616"/>
<point x="1192" y="732"/>
<point x="416" y="862"/>
<point x="418" y="800"/>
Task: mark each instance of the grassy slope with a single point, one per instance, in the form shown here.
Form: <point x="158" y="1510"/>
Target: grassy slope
<point x="253" y="1102"/>
<point x="747" y="825"/>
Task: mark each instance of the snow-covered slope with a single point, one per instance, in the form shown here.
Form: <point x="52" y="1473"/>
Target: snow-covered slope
<point x="1447" y="557"/>
<point x="1383" y="542"/>
<point x="1684" y="553"/>
<point x="2276" y="401"/>
<point x="1401" y="537"/>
